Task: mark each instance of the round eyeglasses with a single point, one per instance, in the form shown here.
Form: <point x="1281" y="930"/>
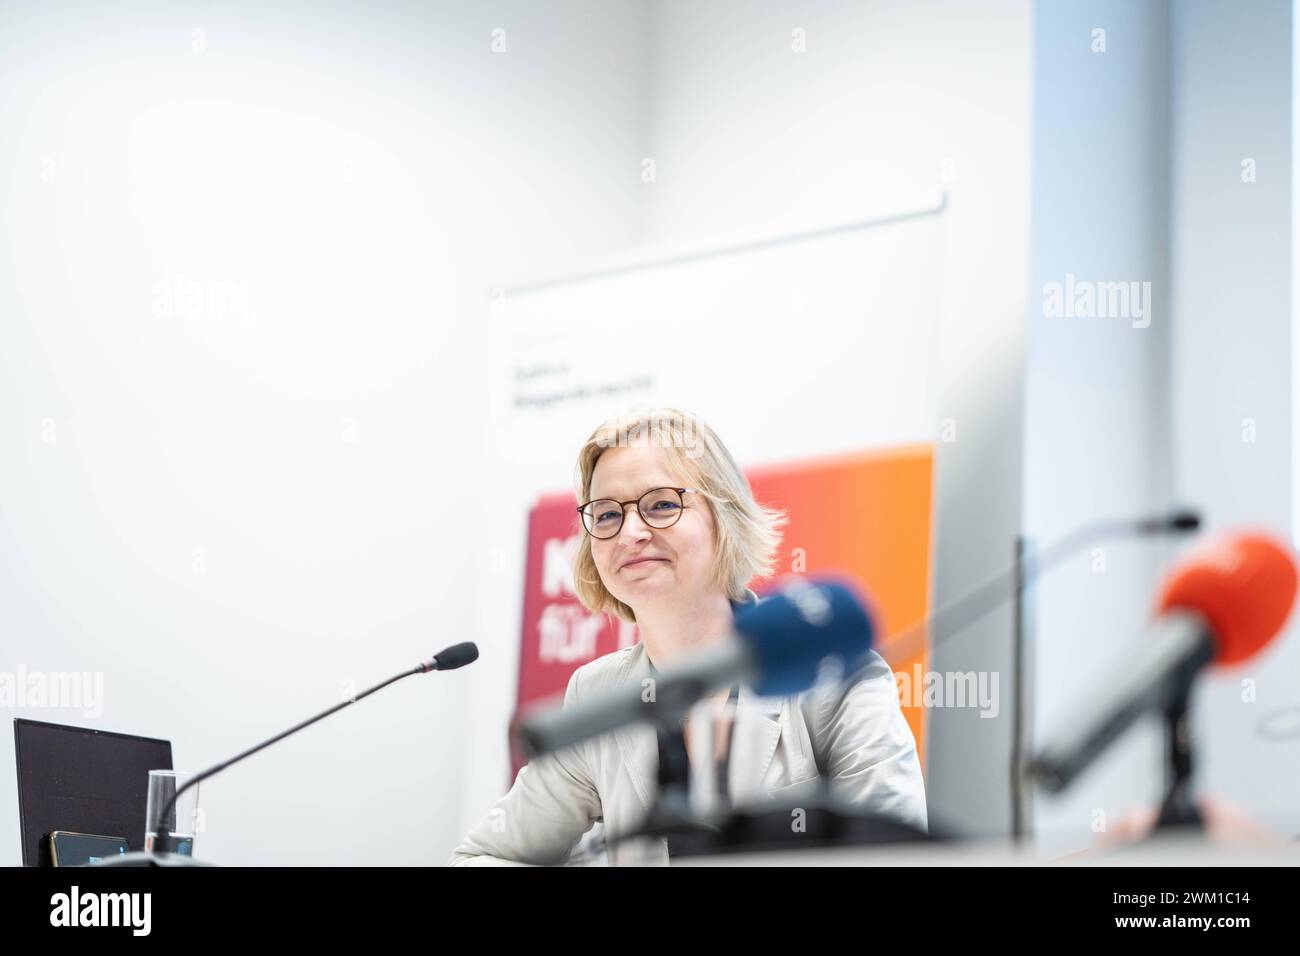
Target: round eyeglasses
<point x="658" y="508"/>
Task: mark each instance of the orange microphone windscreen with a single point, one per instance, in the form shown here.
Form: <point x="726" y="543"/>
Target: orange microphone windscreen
<point x="1242" y="584"/>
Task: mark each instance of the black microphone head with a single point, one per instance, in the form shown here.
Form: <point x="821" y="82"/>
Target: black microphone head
<point x="1179" y="521"/>
<point x="458" y="655"/>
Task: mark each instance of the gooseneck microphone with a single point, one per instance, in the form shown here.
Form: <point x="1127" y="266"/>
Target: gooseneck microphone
<point x="458" y="655"/>
<point x="1221" y="606"/>
<point x="776" y="646"/>
<point x="945" y="622"/>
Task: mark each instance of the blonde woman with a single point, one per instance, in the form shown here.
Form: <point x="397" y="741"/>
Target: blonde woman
<point x="670" y="537"/>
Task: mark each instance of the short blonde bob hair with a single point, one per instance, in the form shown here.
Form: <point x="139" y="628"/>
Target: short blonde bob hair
<point x="747" y="533"/>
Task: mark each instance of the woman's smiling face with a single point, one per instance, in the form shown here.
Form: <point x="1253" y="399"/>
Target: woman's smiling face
<point x="642" y="564"/>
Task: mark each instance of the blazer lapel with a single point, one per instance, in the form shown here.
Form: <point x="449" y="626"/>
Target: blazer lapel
<point x="638" y="744"/>
<point x="753" y="744"/>
<point x="755" y="734"/>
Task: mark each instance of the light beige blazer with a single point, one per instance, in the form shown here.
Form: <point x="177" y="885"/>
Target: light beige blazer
<point x="778" y="743"/>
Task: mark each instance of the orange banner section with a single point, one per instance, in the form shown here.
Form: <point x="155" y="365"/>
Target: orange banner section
<point x="866" y="516"/>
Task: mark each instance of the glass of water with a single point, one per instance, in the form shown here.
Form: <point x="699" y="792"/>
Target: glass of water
<point x="182" y="819"/>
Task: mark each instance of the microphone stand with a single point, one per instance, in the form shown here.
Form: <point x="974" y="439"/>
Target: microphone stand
<point x="1019" y="579"/>
<point x="1022" y="810"/>
<point x="1178" y="808"/>
<point x="671" y="812"/>
<point x="165" y="844"/>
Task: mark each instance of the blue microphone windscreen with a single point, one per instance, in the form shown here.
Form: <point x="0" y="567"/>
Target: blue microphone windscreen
<point x="793" y="630"/>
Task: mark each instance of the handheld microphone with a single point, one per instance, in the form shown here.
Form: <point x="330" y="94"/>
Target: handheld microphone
<point x="451" y="658"/>
<point x="949" y="620"/>
<point x="776" y="646"/>
<point x="1221" y="606"/>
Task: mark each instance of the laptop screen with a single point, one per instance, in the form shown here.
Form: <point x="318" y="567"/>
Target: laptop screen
<point x="87" y="781"/>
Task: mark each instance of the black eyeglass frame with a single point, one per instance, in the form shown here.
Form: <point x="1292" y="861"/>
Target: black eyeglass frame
<point x="622" y="511"/>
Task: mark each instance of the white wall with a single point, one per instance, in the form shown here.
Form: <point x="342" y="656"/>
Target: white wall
<point x="1096" y="402"/>
<point x="229" y="515"/>
<point x="1231" y="362"/>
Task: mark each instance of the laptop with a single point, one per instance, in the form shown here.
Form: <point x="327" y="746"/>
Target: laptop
<point x="82" y="780"/>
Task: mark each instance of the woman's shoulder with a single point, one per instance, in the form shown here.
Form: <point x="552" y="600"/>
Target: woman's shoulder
<point x="869" y="691"/>
<point x="607" y="671"/>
